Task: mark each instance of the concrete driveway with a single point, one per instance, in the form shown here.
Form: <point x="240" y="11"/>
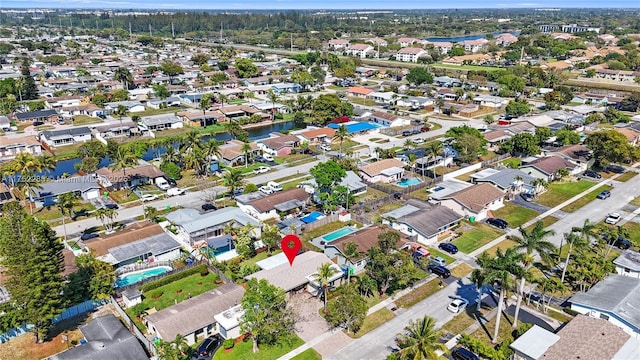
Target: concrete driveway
<point x="309" y="323"/>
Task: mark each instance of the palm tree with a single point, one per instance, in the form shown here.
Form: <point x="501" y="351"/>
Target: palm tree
<point x="150" y="212"/>
<point x="532" y="242"/>
<point x="65" y="204"/>
<point x="122" y="159"/>
<point x="409" y="144"/>
<point x="106" y="217"/>
<point x="324" y="274"/>
<point x="121" y="111"/>
<point x="123" y="75"/>
<point x="210" y="149"/>
<point x="233" y="180"/>
<point x="20" y="84"/>
<point x="420" y="340"/>
<point x="46" y="163"/>
<point x="478" y="278"/>
<point x="246" y="149"/>
<point x="223" y="98"/>
<point x="539" y="184"/>
<point x="434" y="149"/>
<point x="273" y="97"/>
<point x="205" y="102"/>
<point x="181" y="344"/>
<point x="341" y="134"/>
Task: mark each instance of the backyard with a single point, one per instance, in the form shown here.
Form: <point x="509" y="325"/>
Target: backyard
<point x="559" y="192"/>
<point x="475" y="235"/>
<point x="515" y="215"/>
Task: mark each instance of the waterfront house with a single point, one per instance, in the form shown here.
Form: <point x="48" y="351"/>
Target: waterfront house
<point x="129" y="177"/>
<point x="12" y="146"/>
<point x="262" y="206"/>
<point x="193" y="227"/>
<point x="85" y="187"/>
<point x="278" y="144"/>
<point x="68" y="136"/>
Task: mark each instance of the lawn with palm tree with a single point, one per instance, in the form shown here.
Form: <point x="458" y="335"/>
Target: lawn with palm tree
<point x="420" y="340"/>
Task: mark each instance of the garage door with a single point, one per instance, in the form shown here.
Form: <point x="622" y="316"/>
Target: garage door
<point x="93" y="194"/>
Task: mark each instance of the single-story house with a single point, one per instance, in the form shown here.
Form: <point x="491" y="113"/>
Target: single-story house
<point x="422" y="222"/>
<point x="631" y="134"/>
<point x="5" y="194"/>
<point x="490" y="101"/>
<point x="427" y="163"/>
<point x="12" y="146"/>
<point x="365" y="239"/>
<point x="357" y="91"/>
<point x="131" y="106"/>
<point x="300" y="275"/>
<point x="389" y="120"/>
<point x="231" y="153"/>
<point x="68" y="136"/>
<point x="351" y="180"/>
<point x="615" y="299"/>
<point x="546" y="168"/>
<point x="229" y="322"/>
<point x="262" y="206"/>
<point x="239" y="111"/>
<point x="194" y="226"/>
<point x="628" y="263"/>
<point x="382" y="97"/>
<point x="269" y="107"/>
<point x="495" y="138"/>
<point x="47" y="193"/>
<point x="288" y="87"/>
<point x="317" y="136"/>
<point x="475" y="201"/>
<point x="584" y="337"/>
<point x="160" y="122"/>
<point x="63" y="101"/>
<point x="91" y="110"/>
<point x="194" y="318"/>
<point x="116" y="130"/>
<point x="171" y="101"/>
<point x="200" y="119"/>
<point x="513" y="180"/>
<point x="578" y="154"/>
<point x="39" y="115"/>
<point x="445" y="188"/>
<point x="139" y="175"/>
<point x="385" y="170"/>
<point x="278" y="144"/>
<point x="105" y="338"/>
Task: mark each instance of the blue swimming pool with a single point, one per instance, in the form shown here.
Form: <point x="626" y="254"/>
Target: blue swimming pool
<point x="134" y="277"/>
<point x="311" y="217"/>
<point x="408" y="182"/>
<point x="337" y="234"/>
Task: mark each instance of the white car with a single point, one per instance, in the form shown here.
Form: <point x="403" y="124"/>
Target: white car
<point x="274" y="186"/>
<point x="266" y="189"/>
<point x="267" y="157"/>
<point x="457" y="305"/>
<point x="148" y="197"/>
<point x="175" y="191"/>
<point x="613" y="218"/>
<point x="261" y="170"/>
<point x="418" y="140"/>
<point x="325" y="147"/>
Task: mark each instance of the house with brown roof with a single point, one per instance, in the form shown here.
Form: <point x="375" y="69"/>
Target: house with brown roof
<point x="199" y="118"/>
<point x="262" y="206"/>
<point x="385" y="171"/>
<point x="317" y="136"/>
<point x="584" y="338"/>
<point x="357" y="91"/>
<point x="239" y="111"/>
<point x="475" y="201"/>
<point x="139" y="175"/>
<point x="495" y="138"/>
<point x="194" y="318"/>
<point x="364" y="239"/>
<point x="231" y="153"/>
<point x="12" y="146"/>
<point x="278" y="144"/>
<point x="410" y="54"/>
<point x="577" y="153"/>
<point x="422" y="222"/>
<point x="631" y="135"/>
<point x="546" y="168"/>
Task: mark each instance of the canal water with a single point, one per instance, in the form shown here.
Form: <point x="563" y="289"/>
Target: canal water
<point x="68" y="166"/>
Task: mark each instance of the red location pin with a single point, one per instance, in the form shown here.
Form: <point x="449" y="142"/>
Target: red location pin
<point x="291" y="245"/>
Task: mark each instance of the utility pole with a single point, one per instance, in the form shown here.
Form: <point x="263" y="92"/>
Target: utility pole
<point x="60" y="21"/>
<point x="97" y="27"/>
<point x="292" y="42"/>
<point x="173" y="31"/>
<point x="220" y="33"/>
<point x="150" y="30"/>
<point x="130" y="33"/>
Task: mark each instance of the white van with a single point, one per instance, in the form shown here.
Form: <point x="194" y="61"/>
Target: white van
<point x="162" y="183"/>
<point x="274" y="186"/>
<point x="175" y="191"/>
<point x="267" y="156"/>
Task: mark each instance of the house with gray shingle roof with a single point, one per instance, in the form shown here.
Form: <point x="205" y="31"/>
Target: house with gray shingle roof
<point x="194" y="226"/>
<point x="628" y="263"/>
<point x="422" y="222"/>
<point x="512" y="180"/>
<point x="546" y="168"/>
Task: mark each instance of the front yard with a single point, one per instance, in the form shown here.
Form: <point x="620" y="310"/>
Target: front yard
<point x="243" y="350"/>
<point x="514" y="214"/>
<point x="585" y="199"/>
<point x="373" y="321"/>
<point x="559" y="192"/>
<point x="475" y="235"/>
<point x="418" y="294"/>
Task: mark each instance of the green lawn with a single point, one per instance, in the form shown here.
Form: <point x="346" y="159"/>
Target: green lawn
<point x="212" y="129"/>
<point x="473" y="239"/>
<point x="511" y="162"/>
<point x="243" y="350"/>
<point x="418" y="294"/>
<point x="626" y="176"/>
<point x="85" y="120"/>
<point x="308" y="354"/>
<point x="546" y="221"/>
<point x="461" y="270"/>
<point x="634" y="232"/>
<point x="635" y="202"/>
<point x="436" y="252"/>
<point x="585" y="199"/>
<point x="465" y="67"/>
<point x="179" y="290"/>
<point x="502" y="245"/>
<point x="515" y="215"/>
<point x="462" y="321"/>
<point x="373" y="321"/>
<point x="322" y="230"/>
<point x="559" y="192"/>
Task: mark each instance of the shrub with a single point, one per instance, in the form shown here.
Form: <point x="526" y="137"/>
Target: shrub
<point x="204" y="271"/>
<point x="522" y="328"/>
<point x="568" y="310"/>
<point x="173" y="277"/>
<point x="228" y="344"/>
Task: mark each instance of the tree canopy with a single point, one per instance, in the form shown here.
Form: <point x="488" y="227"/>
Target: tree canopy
<point x="610" y="146"/>
<point x="419" y="76"/>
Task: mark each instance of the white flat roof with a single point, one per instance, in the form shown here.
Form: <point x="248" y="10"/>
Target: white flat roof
<point x="272" y="261"/>
<point x="534" y="342"/>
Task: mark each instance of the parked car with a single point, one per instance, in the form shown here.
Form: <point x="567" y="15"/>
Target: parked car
<point x="274" y="186"/>
<point x="208" y="207"/>
<point x="261" y="170"/>
<point x="604" y="194"/>
<point x="463" y="354"/>
<point x="175" y="191"/>
<point x="267" y="156"/>
<point x="526" y="197"/>
<point x="112" y="206"/>
<point x="148" y="197"/>
<point x="38" y="123"/>
<point x="88" y="235"/>
<point x="499" y="223"/>
<point x="406" y="133"/>
<point x="458" y="305"/>
<point x="613" y="218"/>
<point x="437" y="260"/>
<point x="592" y="174"/>
<point x="425" y="129"/>
<point x="209" y="346"/>
<point x="616" y="169"/>
<point x="441" y="271"/>
<point x="266" y="189"/>
<point x="325" y="147"/>
<point x="448" y="247"/>
<point x="418" y="140"/>
<point x="622" y="243"/>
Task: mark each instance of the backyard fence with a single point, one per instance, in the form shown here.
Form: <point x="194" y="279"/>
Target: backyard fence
<point x="133" y="328"/>
<point x="120" y="290"/>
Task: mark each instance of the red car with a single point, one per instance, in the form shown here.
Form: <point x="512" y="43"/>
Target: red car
<point x="424" y="129"/>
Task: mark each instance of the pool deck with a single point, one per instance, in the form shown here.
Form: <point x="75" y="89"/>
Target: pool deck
<point x="317" y="240"/>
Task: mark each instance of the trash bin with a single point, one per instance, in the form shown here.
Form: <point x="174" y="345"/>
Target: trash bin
<point x="472" y="218"/>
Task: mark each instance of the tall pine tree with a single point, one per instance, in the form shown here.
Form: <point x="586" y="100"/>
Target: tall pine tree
<point x="32" y="258"/>
<point x="30" y="90"/>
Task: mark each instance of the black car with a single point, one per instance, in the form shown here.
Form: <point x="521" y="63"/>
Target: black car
<point x="207" y="207"/>
<point x="499" y="223"/>
<point x="526" y="197"/>
<point x="439" y="270"/>
<point x="622" y="243"/>
<point x="209" y="346"/>
<point x="448" y="247"/>
<point x="88" y="236"/>
<point x="616" y="169"/>
<point x="463" y="354"/>
<point x="38" y="123"/>
<point x="111" y="206"/>
<point x="592" y="174"/>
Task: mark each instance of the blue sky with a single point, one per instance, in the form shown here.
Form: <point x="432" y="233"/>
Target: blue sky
<point x="314" y="4"/>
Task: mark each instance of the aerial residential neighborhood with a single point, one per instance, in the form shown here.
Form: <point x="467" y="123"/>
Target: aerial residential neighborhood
<point x="463" y="185"/>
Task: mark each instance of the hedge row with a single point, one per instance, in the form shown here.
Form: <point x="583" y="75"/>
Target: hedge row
<point x="202" y="268"/>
